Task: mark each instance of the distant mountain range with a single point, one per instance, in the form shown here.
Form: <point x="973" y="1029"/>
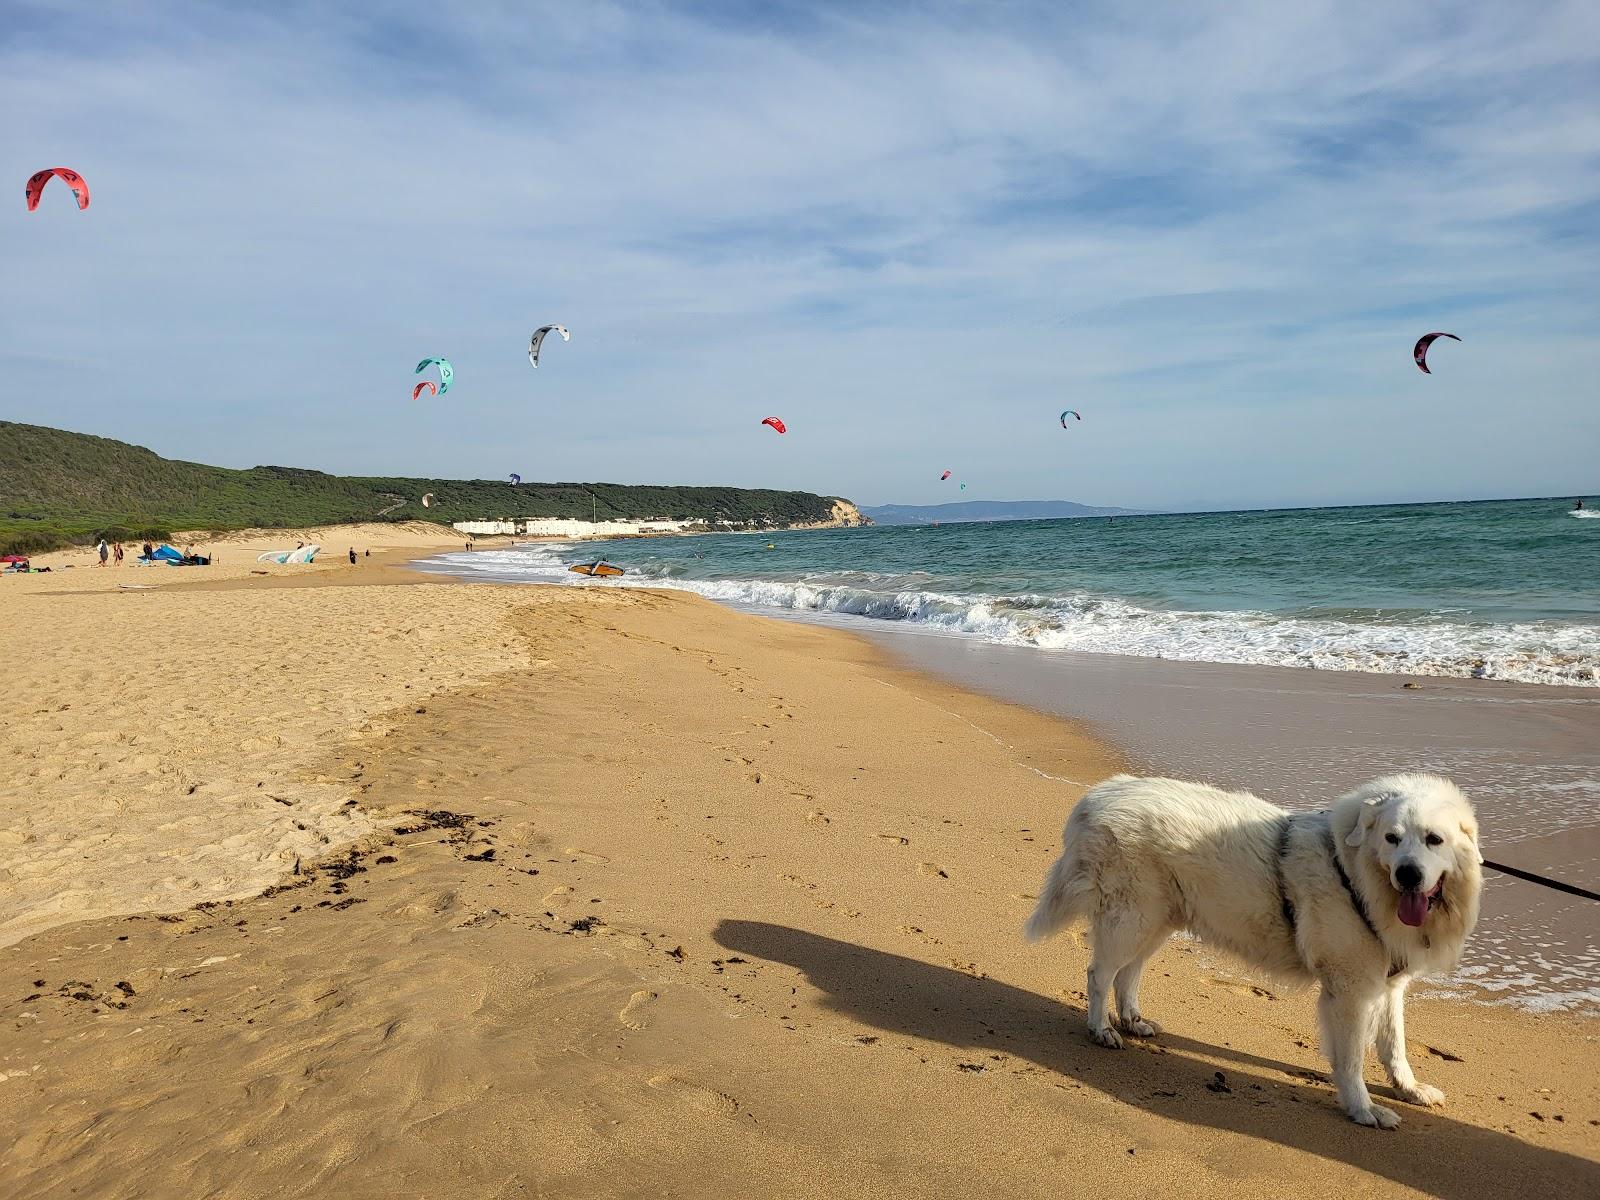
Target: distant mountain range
<point x="987" y="510"/>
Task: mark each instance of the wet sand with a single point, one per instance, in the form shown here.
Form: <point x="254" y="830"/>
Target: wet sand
<point x="1528" y="755"/>
<point x="647" y="897"/>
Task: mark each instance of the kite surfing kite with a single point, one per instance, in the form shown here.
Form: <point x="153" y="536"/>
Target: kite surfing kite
<point x="427" y="499"/>
<point x="1071" y="412"/>
<point x="963" y="487"/>
<point x="538" y="340"/>
<point x="72" y="179"/>
<point x="426" y="383"/>
<point x="1420" y="350"/>
<point x="776" y="424"/>
<point x="446" y="372"/>
<point x="945" y="476"/>
<point x="515" y="479"/>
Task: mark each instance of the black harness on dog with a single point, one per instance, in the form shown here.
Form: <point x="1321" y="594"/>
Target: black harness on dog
<point x="1356" y="902"/>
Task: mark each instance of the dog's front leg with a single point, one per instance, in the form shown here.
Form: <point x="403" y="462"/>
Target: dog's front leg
<point x="1392" y="1048"/>
<point x="1346" y="1011"/>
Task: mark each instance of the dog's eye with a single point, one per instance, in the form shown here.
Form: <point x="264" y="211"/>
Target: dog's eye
<point x="1392" y="838"/>
<point x="1433" y="839"/>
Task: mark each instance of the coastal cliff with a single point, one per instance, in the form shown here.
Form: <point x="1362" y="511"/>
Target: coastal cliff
<point x="845" y="515"/>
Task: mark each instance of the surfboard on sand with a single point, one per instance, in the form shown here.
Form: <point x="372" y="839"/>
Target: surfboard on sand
<point x="596" y="568"/>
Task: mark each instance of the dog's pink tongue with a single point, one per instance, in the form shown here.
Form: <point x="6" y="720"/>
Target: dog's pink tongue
<point x="1413" y="907"/>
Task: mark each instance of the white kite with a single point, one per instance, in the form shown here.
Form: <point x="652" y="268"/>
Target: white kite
<point x="538" y="340"/>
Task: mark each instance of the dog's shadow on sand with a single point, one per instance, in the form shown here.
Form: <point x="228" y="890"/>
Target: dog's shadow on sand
<point x="918" y="999"/>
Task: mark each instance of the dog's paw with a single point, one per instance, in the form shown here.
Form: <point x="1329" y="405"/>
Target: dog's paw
<point x="1140" y="1027"/>
<point x="1376" y="1116"/>
<point x="1107" y="1037"/>
<point x="1422" y="1094"/>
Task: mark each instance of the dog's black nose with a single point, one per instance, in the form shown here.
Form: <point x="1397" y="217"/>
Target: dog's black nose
<point x="1408" y="875"/>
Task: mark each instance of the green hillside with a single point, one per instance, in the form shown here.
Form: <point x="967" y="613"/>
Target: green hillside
<point x="58" y="487"/>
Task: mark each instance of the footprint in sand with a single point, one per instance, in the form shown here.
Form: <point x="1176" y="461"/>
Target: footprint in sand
<point x="1243" y="989"/>
<point x="893" y="837"/>
<point x="556" y="893"/>
<point x="635" y="1013"/>
<point x="429" y="906"/>
<point x="585" y="856"/>
<point x="932" y="870"/>
<point x="817" y="817"/>
<point x="696" y="1096"/>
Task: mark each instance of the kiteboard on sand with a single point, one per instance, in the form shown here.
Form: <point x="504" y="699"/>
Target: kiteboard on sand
<point x="596" y="568"/>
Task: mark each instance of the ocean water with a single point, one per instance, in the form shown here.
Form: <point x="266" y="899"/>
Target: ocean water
<point x="1500" y="590"/>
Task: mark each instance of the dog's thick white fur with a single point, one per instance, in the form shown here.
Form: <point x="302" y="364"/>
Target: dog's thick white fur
<point x="1143" y="858"/>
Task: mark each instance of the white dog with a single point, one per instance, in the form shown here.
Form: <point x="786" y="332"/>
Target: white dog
<point x="1382" y="887"/>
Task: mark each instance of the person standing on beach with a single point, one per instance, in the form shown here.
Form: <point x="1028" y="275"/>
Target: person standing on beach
<point x="117" y="554"/>
<point x="352" y="556"/>
<point x="105" y="551"/>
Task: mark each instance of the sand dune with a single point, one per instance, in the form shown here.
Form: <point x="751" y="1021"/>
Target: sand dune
<point x="644" y="897"/>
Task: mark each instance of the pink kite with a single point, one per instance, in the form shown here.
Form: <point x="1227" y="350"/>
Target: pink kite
<point x="945" y="476"/>
<point x="776" y="424"/>
<point x="1420" y="350"/>
<point x="36" y="183"/>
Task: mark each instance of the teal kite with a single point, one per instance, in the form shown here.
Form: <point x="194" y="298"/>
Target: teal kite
<point x="446" y="372"/>
<point x="1071" y="412"/>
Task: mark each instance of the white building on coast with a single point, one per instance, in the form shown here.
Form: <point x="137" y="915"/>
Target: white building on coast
<point x="569" y="527"/>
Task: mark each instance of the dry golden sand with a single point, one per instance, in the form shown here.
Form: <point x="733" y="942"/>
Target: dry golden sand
<point x="647" y="898"/>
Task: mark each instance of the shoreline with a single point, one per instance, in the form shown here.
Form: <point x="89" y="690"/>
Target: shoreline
<point x="830" y="584"/>
<point x="652" y="901"/>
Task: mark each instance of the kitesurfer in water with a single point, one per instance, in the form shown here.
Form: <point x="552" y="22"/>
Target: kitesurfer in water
<point x="1577" y="506"/>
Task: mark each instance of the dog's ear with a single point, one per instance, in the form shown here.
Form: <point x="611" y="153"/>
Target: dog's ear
<point x="1369" y="814"/>
<point x="1471" y="830"/>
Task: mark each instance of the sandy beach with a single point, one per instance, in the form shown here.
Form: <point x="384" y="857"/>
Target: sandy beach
<point x="355" y="881"/>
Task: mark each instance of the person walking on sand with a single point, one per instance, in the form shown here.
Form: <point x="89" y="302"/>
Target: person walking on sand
<point x="116" y="554"/>
<point x="105" y="551"/>
<point x="352" y="556"/>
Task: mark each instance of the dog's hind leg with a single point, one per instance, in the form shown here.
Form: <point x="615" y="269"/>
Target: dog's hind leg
<point x="1346" y="1010"/>
<point x="1122" y="938"/>
<point x="1127" y="983"/>
<point x="1392" y="1049"/>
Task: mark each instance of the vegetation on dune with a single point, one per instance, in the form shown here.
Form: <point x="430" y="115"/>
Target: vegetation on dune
<point x="58" y="488"/>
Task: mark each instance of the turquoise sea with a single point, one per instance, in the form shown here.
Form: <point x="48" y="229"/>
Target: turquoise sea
<point x="1495" y="589"/>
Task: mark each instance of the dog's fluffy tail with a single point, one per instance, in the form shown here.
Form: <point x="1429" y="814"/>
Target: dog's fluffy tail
<point x="1063" y="900"/>
<point x="1068" y="894"/>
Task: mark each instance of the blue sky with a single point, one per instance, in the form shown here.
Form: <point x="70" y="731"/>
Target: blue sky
<point x="916" y="232"/>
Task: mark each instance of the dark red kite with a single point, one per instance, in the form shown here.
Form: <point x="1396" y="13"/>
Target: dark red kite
<point x="1420" y="350"/>
<point x="776" y="424"/>
<point x="74" y="181"/>
<point x="426" y="383"/>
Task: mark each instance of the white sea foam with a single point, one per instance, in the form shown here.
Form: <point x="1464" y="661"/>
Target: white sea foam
<point x="1529" y="652"/>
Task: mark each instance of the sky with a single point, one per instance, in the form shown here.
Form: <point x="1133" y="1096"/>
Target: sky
<point x="916" y="232"/>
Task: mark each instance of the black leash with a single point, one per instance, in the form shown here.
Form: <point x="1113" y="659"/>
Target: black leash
<point x="1570" y="888"/>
